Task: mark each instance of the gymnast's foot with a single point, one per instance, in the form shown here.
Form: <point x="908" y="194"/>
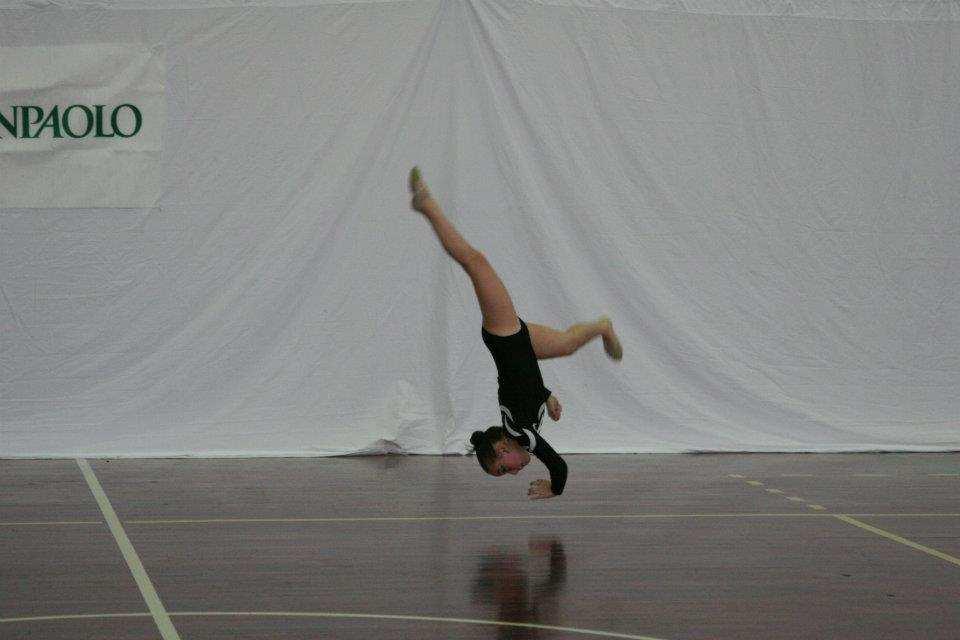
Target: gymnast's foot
<point x="611" y="344"/>
<point x="421" y="200"/>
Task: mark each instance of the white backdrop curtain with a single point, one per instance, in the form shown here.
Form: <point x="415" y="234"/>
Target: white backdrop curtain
<point x="762" y="195"/>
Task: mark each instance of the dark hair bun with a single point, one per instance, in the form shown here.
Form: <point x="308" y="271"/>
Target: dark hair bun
<point x="477" y="438"/>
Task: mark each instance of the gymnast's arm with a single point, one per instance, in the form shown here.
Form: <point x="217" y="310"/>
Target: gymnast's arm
<point x="554" y="463"/>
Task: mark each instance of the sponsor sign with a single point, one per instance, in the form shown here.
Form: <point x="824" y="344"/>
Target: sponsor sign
<point x="81" y="126"/>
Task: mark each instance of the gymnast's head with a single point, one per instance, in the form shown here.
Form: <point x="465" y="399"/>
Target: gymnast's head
<point x="498" y="453"/>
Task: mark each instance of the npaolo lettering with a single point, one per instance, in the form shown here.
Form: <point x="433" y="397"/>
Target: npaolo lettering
<point x="75" y="121"/>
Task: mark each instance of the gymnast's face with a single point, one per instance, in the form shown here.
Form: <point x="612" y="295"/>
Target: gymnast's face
<point x="511" y="458"/>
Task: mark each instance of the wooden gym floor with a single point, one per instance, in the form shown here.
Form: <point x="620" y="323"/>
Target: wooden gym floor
<point x="671" y="547"/>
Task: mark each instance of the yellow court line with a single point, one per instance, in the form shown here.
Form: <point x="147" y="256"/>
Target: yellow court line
<point x="896" y="538"/>
<point x="641" y="516"/>
<point x="651" y="516"/>
<point x="334" y="614"/>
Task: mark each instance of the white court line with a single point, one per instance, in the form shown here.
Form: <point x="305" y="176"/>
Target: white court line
<point x="160" y="617"/>
<point x="325" y="614"/>
<point x="901" y="515"/>
<point x="48" y="522"/>
<point x="75" y="616"/>
<point x="334" y="614"/>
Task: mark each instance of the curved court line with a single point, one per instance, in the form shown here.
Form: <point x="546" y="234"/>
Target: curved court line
<point x="49" y="522"/>
<point x="76" y="616"/>
<point x="333" y="614"/>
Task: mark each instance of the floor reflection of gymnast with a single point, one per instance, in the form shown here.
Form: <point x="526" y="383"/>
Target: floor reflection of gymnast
<point x="503" y="579"/>
<point x="516" y="347"/>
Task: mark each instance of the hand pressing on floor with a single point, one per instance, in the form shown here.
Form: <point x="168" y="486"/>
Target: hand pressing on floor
<point x="540" y="489"/>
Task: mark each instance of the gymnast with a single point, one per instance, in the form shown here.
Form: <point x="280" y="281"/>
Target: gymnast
<point x="516" y="346"/>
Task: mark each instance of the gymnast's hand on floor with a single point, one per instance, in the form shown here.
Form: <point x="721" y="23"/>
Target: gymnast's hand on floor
<point x="540" y="489"/>
<point x="553" y="407"/>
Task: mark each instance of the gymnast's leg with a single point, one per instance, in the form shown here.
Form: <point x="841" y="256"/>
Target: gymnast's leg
<point x="553" y="343"/>
<point x="499" y="316"/>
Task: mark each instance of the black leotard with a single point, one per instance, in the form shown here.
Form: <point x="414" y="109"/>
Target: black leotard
<point x="523" y="398"/>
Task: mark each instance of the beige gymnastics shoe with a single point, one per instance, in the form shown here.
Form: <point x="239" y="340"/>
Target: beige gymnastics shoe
<point x="418" y="188"/>
<point x="611" y="344"/>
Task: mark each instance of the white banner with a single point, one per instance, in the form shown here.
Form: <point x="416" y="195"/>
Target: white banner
<point x="766" y="206"/>
<point x="81" y="126"/>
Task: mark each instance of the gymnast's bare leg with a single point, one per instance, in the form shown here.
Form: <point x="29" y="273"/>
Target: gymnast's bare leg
<point x="499" y="315"/>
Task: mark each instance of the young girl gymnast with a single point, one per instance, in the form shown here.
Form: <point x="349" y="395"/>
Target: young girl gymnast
<point x="516" y="346"/>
